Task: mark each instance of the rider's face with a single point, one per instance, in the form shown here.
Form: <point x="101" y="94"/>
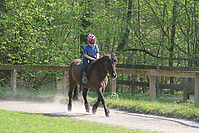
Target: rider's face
<point x="91" y="44"/>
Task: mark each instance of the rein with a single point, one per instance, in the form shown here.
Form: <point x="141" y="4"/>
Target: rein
<point x="101" y="72"/>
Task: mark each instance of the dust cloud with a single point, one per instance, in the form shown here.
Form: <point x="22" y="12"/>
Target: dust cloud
<point x="57" y="107"/>
<point x="49" y="107"/>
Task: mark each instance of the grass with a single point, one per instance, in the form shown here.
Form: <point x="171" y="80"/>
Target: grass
<point x="139" y="103"/>
<point x="20" y="122"/>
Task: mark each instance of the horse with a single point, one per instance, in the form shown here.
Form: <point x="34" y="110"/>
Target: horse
<point x="98" y="72"/>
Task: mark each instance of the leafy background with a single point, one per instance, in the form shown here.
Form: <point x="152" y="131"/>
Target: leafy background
<point x="53" y="32"/>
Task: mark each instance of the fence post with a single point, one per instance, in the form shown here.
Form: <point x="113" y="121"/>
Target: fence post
<point x="64" y="83"/>
<point x="13" y="80"/>
<point x="158" y="84"/>
<point x="133" y="83"/>
<point x="197" y="90"/>
<point x="113" y="85"/>
<point x="161" y="82"/>
<point x="152" y="88"/>
<point x="185" y="88"/>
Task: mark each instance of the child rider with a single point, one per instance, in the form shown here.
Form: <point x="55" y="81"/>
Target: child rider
<point x="91" y="52"/>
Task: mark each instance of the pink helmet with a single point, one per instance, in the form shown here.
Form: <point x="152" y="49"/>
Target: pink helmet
<point x="91" y="38"/>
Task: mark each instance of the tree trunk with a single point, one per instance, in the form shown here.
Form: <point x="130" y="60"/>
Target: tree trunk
<point x="196" y="35"/>
<point x="125" y="34"/>
<point x="188" y="30"/>
<point x="85" y="24"/>
<point x="139" y="17"/>
<point x="173" y="30"/>
<point x="107" y="44"/>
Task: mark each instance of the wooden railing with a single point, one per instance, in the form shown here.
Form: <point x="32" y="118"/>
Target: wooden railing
<point x="150" y="72"/>
<point x="179" y="85"/>
<point x="184" y="85"/>
<point x="152" y="82"/>
<point x="15" y="68"/>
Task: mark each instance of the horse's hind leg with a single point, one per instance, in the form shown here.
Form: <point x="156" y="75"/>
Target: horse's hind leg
<point x="95" y="106"/>
<point x="85" y="94"/>
<point x="71" y="93"/>
<point x="76" y="94"/>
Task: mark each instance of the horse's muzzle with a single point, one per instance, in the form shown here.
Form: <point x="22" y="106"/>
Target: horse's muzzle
<point x="114" y="75"/>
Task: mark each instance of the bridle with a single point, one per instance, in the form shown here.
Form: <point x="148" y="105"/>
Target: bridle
<point x="102" y="73"/>
<point x="107" y="70"/>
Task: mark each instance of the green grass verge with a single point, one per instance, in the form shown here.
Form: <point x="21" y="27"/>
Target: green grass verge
<point x="140" y="103"/>
<point x="20" y="122"/>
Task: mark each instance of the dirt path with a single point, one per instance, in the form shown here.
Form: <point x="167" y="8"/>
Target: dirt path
<point x="132" y="120"/>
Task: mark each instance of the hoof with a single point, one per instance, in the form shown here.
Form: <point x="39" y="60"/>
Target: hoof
<point x="94" y="111"/>
<point x="87" y="108"/>
<point x="69" y="108"/>
<point x="107" y="115"/>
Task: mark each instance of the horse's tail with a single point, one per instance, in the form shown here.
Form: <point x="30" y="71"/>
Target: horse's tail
<point x="76" y="92"/>
<point x="70" y="72"/>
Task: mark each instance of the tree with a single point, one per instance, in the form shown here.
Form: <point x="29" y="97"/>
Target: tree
<point x="2" y="28"/>
<point x="126" y="29"/>
<point x="86" y="9"/>
<point x="51" y="32"/>
<point x="2" y="9"/>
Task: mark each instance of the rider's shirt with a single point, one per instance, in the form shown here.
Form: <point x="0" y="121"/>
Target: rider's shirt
<point x="90" y="51"/>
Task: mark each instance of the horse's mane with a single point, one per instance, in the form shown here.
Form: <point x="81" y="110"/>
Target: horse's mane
<point x="100" y="61"/>
<point x="96" y="62"/>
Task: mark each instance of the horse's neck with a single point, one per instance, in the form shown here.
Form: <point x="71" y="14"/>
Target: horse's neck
<point x="100" y="64"/>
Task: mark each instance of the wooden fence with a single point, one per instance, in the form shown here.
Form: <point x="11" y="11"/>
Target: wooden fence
<point x="15" y="68"/>
<point x="183" y="85"/>
<point x="152" y="73"/>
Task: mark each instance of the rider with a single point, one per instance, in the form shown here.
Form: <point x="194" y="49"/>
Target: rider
<point x="91" y="52"/>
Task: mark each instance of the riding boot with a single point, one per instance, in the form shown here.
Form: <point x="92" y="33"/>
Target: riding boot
<point x="84" y="78"/>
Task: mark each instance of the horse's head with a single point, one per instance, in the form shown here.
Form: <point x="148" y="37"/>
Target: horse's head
<point x="111" y="62"/>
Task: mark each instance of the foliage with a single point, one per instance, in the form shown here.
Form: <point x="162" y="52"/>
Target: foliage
<point x="40" y="32"/>
<point x="114" y="95"/>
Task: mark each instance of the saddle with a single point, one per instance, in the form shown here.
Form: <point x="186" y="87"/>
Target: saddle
<point x="88" y="68"/>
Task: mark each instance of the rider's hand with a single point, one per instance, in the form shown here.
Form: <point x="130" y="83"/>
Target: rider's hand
<point x="92" y="58"/>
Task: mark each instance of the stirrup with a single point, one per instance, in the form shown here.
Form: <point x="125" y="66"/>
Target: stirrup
<point x="84" y="80"/>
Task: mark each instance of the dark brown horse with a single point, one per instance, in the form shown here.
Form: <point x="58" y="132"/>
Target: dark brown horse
<point x="97" y="75"/>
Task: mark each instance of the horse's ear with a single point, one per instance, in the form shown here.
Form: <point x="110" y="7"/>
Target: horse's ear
<point x="114" y="56"/>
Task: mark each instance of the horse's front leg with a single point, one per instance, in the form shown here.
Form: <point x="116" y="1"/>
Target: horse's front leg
<point x="101" y="98"/>
<point x="104" y="104"/>
<point x="85" y="94"/>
